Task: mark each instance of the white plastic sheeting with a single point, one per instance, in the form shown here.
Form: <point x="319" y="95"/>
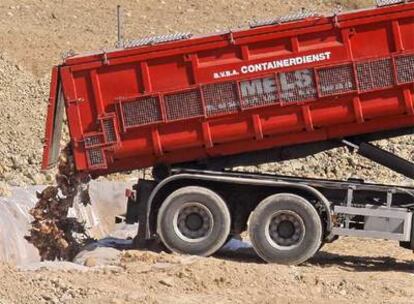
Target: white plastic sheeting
<point x="107" y="198"/>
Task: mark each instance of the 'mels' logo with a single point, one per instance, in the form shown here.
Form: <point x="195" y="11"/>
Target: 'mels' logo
<point x="292" y="85"/>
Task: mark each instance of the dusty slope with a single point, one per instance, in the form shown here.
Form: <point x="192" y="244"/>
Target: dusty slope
<point x="36" y="32"/>
<point x="22" y="115"/>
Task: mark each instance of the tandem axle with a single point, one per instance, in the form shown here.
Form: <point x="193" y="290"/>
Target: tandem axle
<point x="290" y="217"/>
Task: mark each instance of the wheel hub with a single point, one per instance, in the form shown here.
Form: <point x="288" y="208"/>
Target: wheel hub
<point x="194" y="222"/>
<point x="286" y="229"/>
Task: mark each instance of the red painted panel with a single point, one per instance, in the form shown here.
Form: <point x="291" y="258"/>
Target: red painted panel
<point x="362" y="45"/>
<point x="229" y="54"/>
<point x="407" y="32"/>
<point x="340" y="111"/>
<point x="271" y="48"/>
<point x="86" y="102"/>
<point x="384" y="104"/>
<point x="123" y="80"/>
<point x="319" y="40"/>
<point x="169" y="73"/>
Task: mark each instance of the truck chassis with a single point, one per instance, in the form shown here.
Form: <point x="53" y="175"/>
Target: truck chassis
<point x="288" y="218"/>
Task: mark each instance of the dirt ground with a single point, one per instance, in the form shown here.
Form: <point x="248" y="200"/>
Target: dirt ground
<point x="34" y="33"/>
<point x="348" y="271"/>
<point x="37" y="32"/>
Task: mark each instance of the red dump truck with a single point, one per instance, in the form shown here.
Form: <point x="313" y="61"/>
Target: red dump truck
<point x="192" y="107"/>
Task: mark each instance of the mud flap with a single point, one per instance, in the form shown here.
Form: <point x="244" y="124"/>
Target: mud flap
<point x="137" y="210"/>
<point x="410" y="243"/>
<point x="53" y="133"/>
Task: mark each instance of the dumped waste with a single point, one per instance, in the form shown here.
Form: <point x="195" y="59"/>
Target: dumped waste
<point x="53" y="232"/>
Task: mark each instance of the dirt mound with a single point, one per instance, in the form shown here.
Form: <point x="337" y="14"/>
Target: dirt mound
<point x="23" y="101"/>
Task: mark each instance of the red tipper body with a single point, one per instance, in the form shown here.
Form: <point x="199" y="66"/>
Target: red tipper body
<point x="301" y="81"/>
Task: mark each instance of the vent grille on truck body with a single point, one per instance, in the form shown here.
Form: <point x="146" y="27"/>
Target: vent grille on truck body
<point x="405" y="70"/>
<point x="93" y="140"/>
<point x="336" y="80"/>
<point x="109" y="130"/>
<point x="297" y="86"/>
<point x="381" y="3"/>
<point x="184" y="105"/>
<point x="284" y="19"/>
<point x="221" y="98"/>
<point x="259" y="92"/>
<point x="141" y="111"/>
<point x="156" y="39"/>
<point x="375" y="74"/>
<point x="285" y="88"/>
<point x="96" y="158"/>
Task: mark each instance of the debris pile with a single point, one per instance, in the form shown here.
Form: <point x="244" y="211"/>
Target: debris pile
<point x="53" y="233"/>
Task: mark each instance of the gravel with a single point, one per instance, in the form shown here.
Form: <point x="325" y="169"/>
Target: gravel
<point x="22" y="114"/>
<point x="340" y="163"/>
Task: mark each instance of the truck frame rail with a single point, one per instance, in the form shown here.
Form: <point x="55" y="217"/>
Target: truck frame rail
<point x="377" y="204"/>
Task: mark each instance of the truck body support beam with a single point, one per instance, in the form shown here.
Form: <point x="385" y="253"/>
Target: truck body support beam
<point x="385" y="158"/>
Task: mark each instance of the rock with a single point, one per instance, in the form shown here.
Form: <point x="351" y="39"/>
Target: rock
<point x="169" y="282"/>
<point x="90" y="262"/>
<point x="17" y="162"/>
<point x="98" y="256"/>
<point x="5" y="190"/>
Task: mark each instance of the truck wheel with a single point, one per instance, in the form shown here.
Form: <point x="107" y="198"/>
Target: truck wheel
<point x="285" y="229"/>
<point x="194" y="220"/>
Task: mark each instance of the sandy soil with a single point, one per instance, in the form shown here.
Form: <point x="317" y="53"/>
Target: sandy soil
<point x="37" y="32"/>
<point x="348" y="271"/>
<point x="33" y="35"/>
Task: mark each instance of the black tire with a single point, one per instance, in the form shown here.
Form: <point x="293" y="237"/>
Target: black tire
<point x="285" y="229"/>
<point x="210" y="210"/>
